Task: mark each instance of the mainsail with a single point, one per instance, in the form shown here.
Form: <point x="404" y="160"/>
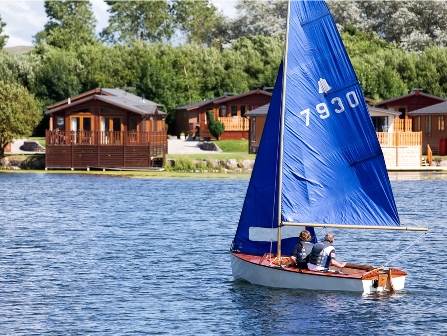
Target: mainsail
<point x="332" y="169"/>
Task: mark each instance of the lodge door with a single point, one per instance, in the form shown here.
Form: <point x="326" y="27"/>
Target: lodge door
<point x="81" y="129"/>
<point x="111" y="130"/>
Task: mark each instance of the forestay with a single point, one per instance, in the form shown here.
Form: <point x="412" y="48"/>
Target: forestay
<point x="333" y="169"/>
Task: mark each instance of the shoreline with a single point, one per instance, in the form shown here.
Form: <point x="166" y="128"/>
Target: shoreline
<point x="134" y="174"/>
<point x="394" y="175"/>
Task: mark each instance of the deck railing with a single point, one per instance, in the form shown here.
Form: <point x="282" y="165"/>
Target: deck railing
<point x="57" y="137"/>
<point x="402" y="125"/>
<point x="235" y="123"/>
<point x="400" y="138"/>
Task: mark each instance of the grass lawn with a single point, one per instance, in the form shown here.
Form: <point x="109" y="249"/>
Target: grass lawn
<point x="233" y="146"/>
<point x="136" y="174"/>
<point x="40" y="140"/>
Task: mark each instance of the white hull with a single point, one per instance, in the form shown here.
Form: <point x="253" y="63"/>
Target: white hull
<point x="272" y="276"/>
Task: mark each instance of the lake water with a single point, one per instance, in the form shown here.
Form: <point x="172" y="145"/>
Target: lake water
<point x="82" y="255"/>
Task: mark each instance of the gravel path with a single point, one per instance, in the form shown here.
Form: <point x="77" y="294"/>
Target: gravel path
<point x="176" y="146"/>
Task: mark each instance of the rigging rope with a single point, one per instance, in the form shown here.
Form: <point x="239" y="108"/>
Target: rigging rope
<point x="397" y="256"/>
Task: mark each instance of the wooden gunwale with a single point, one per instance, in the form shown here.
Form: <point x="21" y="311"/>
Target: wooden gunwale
<point x="259" y="260"/>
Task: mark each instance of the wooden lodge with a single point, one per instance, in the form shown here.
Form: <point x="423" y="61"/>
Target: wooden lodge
<point x="431" y="121"/>
<point x="105" y="128"/>
<point x="400" y="145"/>
<point x="231" y="110"/>
<point x="427" y="114"/>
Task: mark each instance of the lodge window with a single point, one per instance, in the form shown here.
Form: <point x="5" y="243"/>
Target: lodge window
<point x="441" y="123"/>
<point x="132" y="124"/>
<point x="222" y="111"/>
<point x="403" y="112"/>
<point x="243" y="108"/>
<point x="233" y="110"/>
<point x="60" y="122"/>
<point x="80" y="123"/>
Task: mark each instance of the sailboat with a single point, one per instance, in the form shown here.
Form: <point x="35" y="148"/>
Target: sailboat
<point x="319" y="164"/>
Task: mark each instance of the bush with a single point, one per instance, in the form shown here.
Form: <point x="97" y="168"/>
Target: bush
<point x="215" y="127"/>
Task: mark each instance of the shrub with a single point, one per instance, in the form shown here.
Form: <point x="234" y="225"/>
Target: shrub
<point x="215" y="127"/>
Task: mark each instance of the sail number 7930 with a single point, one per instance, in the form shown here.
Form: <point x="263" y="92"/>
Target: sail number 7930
<point x="337" y="105"/>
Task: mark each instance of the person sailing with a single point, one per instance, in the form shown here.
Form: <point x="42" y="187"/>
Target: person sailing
<point x="302" y="249"/>
<point x="322" y="255"/>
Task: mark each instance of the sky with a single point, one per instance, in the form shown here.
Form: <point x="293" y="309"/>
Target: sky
<point x="25" y="18"/>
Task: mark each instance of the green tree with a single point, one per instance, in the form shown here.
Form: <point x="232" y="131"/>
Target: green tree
<point x="266" y="18"/>
<point x="138" y="20"/>
<point x="412" y="24"/>
<point x="70" y="24"/>
<point x="19" y="69"/>
<point x="3" y="38"/>
<point x="19" y="113"/>
<point x="198" y="19"/>
<point x="59" y="76"/>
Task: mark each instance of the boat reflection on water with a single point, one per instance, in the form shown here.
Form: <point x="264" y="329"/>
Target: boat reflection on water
<point x="263" y="311"/>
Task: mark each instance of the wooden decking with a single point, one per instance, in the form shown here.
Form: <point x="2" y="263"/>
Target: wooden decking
<point x="81" y="150"/>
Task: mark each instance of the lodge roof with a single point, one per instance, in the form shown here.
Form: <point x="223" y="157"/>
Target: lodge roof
<point x="222" y="99"/>
<point x="373" y="111"/>
<point x="440" y="108"/>
<point x="414" y="92"/>
<point x="116" y="97"/>
<point x="261" y="110"/>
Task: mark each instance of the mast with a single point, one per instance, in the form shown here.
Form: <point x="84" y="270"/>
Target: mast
<point x="281" y="135"/>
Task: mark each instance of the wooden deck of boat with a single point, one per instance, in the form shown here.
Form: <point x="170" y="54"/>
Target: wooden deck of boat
<point x="351" y="271"/>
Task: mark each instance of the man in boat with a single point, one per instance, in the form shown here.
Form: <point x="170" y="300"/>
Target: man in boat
<point x="322" y="255"/>
<point x="302" y="249"/>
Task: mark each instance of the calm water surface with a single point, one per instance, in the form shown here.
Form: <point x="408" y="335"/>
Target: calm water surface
<point x="82" y="255"/>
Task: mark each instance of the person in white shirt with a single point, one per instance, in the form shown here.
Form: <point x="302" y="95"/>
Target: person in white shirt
<point x="322" y="255"/>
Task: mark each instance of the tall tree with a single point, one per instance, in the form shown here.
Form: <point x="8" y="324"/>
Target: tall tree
<point x="3" y="38"/>
<point x="198" y="19"/>
<point x="138" y="20"/>
<point x="59" y="75"/>
<point x="260" y="18"/>
<point x="70" y="24"/>
<point x="411" y="24"/>
<point x="19" y="113"/>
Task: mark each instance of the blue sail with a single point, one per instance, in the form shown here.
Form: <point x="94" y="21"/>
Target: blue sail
<point x="333" y="170"/>
<point x="333" y="166"/>
<point x="260" y="208"/>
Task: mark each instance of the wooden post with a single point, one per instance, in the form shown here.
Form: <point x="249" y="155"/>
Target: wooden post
<point x="429" y="155"/>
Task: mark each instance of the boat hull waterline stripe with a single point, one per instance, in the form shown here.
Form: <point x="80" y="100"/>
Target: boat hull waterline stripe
<point x="356" y="227"/>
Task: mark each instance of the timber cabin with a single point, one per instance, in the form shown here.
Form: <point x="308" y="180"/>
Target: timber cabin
<point x="105" y="128"/>
<point x="231" y="110"/>
<point x="431" y="120"/>
<point x="400" y="146"/>
<point x="416" y="108"/>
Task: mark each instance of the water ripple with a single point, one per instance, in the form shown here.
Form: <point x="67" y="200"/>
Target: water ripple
<point x="86" y="255"/>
